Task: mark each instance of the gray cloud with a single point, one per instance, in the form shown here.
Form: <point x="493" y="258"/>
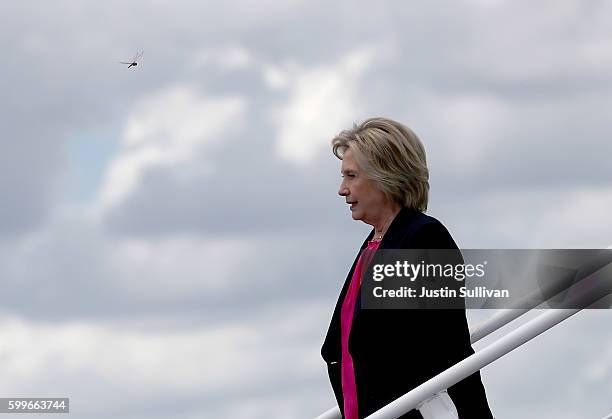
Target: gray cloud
<point x="510" y="99"/>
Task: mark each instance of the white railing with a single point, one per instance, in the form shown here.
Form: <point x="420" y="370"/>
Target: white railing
<point x="505" y="316"/>
<point x="473" y="363"/>
<point x="580" y="296"/>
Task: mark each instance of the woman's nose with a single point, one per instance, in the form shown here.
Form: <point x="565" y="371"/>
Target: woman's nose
<point x="343" y="191"/>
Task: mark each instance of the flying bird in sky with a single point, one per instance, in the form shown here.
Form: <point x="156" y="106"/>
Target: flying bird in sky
<point x="134" y="61"/>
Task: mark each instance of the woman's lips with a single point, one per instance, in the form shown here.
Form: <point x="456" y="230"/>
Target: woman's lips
<point x="352" y="205"/>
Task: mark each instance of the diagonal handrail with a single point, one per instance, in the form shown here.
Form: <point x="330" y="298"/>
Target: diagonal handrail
<point x="504" y="316"/>
<point x="489" y="354"/>
<point x="468" y="366"/>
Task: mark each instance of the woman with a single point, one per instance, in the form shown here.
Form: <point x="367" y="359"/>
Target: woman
<point x="375" y="356"/>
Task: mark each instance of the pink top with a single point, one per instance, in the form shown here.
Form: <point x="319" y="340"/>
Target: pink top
<point x="349" y="389"/>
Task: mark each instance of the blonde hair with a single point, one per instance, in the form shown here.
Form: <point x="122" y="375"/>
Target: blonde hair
<point x="392" y="156"/>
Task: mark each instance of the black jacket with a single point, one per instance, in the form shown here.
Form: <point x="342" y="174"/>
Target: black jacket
<point x="395" y="350"/>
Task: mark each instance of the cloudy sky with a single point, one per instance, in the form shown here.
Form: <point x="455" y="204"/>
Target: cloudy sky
<point x="171" y="241"/>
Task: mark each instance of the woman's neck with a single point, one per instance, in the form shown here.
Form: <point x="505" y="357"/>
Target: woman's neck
<point x="381" y="227"/>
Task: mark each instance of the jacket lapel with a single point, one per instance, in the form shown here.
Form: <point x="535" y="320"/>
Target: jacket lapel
<point x="331" y="350"/>
<point x="391" y="240"/>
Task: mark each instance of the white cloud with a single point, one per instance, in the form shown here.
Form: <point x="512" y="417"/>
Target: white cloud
<point x="167" y="129"/>
<point x="130" y="364"/>
<point x="229" y="57"/>
<point x="521" y="41"/>
<point x="461" y="128"/>
<point x="323" y="100"/>
<point x="564" y="221"/>
<point x="74" y="249"/>
<point x="278" y="77"/>
<point x="531" y="217"/>
<point x="599" y="371"/>
<point x="181" y="266"/>
<point x="494" y="91"/>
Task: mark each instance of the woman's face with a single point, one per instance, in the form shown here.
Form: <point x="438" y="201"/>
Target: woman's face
<point x="366" y="201"/>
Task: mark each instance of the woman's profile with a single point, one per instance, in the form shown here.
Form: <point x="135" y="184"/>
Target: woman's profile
<point x="376" y="356"/>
